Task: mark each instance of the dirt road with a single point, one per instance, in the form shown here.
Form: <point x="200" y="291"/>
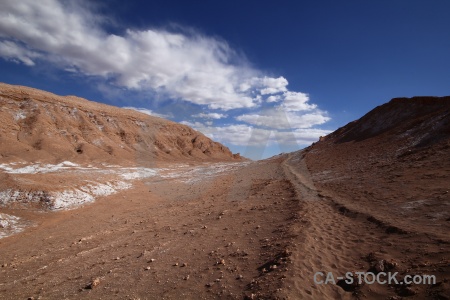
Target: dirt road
<point x="258" y="230"/>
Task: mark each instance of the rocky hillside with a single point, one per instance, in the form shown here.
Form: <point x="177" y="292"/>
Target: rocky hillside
<point x="421" y="120"/>
<point x="40" y="126"/>
<point x="393" y="163"/>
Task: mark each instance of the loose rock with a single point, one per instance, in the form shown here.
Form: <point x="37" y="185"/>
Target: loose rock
<point x="95" y="282"/>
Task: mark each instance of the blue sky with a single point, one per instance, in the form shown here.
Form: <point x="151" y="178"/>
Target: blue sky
<point x="261" y="77"/>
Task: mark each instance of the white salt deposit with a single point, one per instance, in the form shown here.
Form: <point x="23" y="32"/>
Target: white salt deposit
<point x="70" y="198"/>
<point x="10" y="225"/>
<point x="77" y="195"/>
<point x="73" y="196"/>
<point x="139" y="173"/>
<point x="66" y="199"/>
<point x="37" y="168"/>
<point x="193" y="174"/>
<point x="80" y="194"/>
<point x="69" y="163"/>
<point x="20" y="115"/>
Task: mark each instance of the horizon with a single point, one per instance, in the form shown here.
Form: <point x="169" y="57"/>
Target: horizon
<point x="277" y="75"/>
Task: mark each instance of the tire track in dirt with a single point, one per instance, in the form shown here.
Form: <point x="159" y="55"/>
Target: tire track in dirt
<point x="327" y="240"/>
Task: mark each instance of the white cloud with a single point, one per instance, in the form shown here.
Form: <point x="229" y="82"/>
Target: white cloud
<point x="273" y="85"/>
<point x="12" y="51"/>
<point x="210" y="116"/>
<point x="243" y="87"/>
<point x="265" y="85"/>
<point x="147" y="112"/>
<point x="280" y="119"/>
<point x="273" y="98"/>
<point x="296" y="101"/>
<point x="293" y="112"/>
<point x="245" y="135"/>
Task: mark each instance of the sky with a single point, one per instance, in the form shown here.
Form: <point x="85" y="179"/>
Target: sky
<point x="261" y="77"/>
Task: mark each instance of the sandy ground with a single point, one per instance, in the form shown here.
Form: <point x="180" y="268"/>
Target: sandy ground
<point x="258" y="230"/>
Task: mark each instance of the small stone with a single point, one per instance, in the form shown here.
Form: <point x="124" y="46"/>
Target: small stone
<point x="379" y="266"/>
<point x="184" y="265"/>
<point x="406" y="291"/>
<point x="239" y="276"/>
<point x="95" y="282"/>
<point x="391" y="264"/>
<point x="152" y="260"/>
<point x="186" y="278"/>
<point x="117" y="258"/>
<point x="147" y="268"/>
<point x="221" y="262"/>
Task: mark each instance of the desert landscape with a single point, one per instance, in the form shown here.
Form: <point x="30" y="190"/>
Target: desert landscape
<point x="99" y="202"/>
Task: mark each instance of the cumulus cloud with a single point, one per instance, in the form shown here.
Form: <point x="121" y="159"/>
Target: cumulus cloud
<point x="273" y="98"/>
<point x="147" y="112"/>
<point x="265" y="85"/>
<point x="296" y="101"/>
<point x="280" y="119"/>
<point x="273" y="85"/>
<point x="241" y="134"/>
<point x="210" y="116"/>
<point x="294" y="112"/>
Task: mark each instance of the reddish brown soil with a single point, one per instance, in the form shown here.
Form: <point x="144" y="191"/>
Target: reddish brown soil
<point x="214" y="238"/>
<point x="389" y="174"/>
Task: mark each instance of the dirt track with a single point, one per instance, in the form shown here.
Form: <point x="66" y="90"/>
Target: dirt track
<point x="261" y="230"/>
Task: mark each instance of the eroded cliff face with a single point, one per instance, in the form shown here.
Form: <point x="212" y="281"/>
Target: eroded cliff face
<point x="37" y="126"/>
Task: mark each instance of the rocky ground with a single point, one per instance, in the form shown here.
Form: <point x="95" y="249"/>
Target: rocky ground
<point x="254" y="230"/>
<point x="388" y="174"/>
<point x="213" y="235"/>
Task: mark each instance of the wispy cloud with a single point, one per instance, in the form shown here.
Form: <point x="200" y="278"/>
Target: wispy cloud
<point x="13" y="51"/>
